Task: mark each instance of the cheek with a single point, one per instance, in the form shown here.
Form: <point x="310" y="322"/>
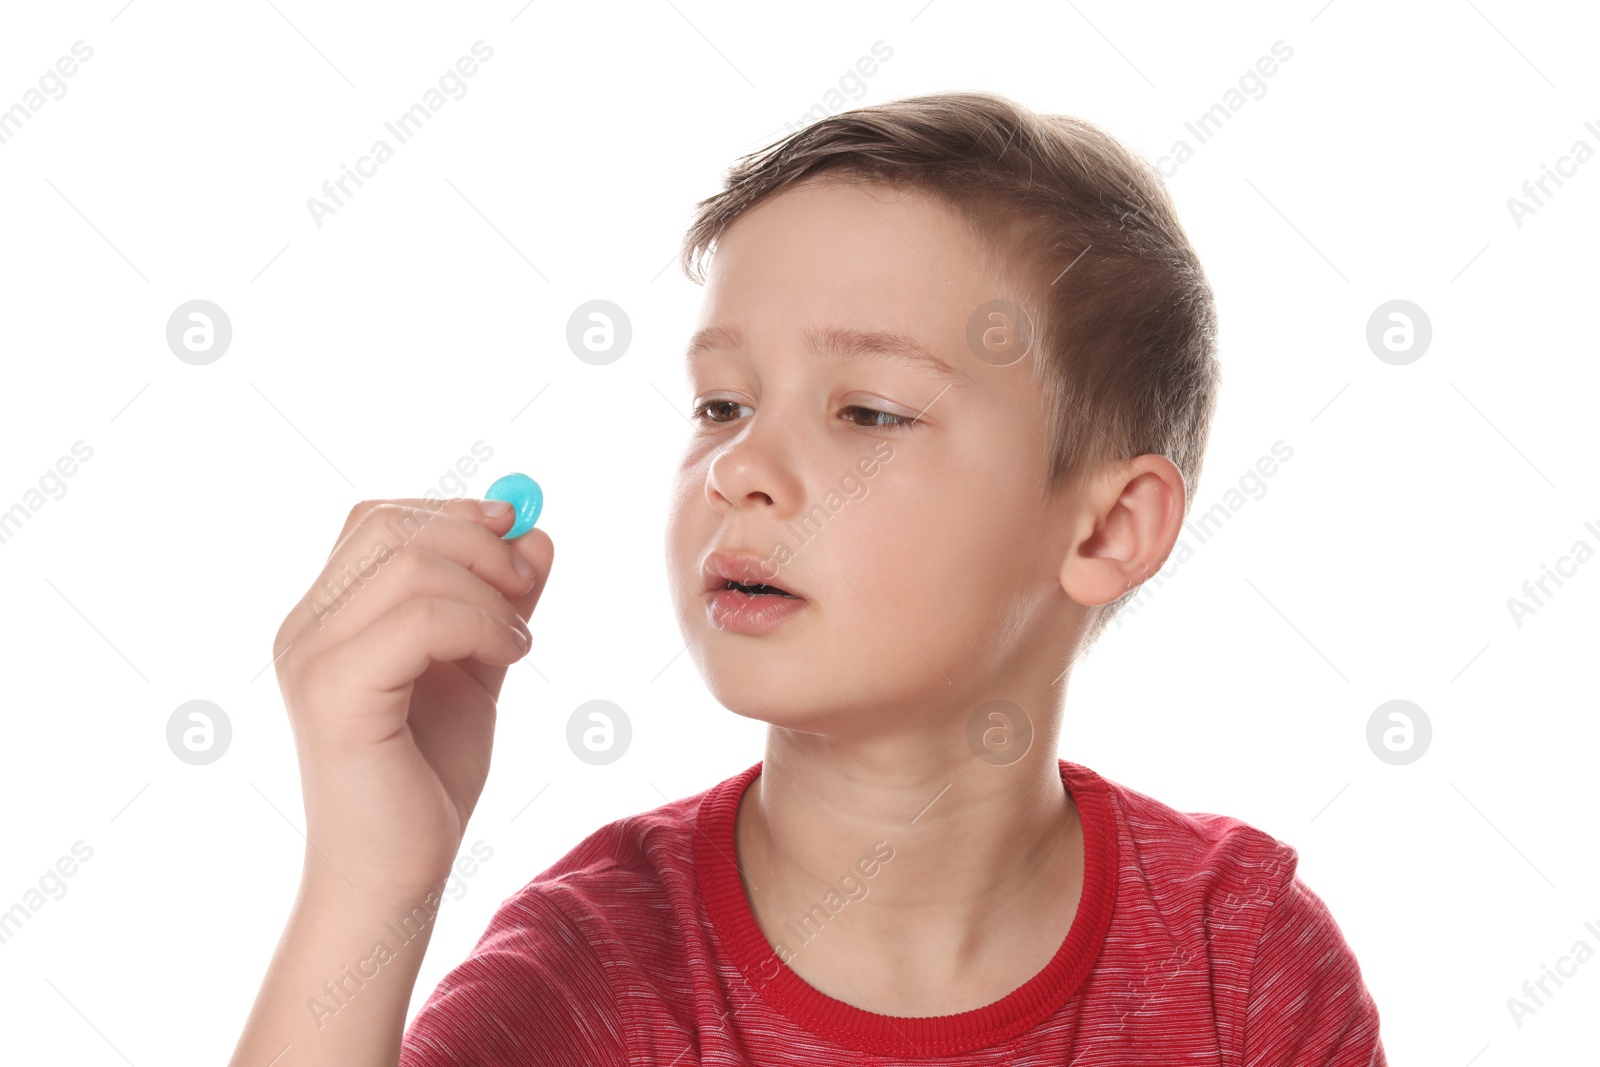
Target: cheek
<point x="688" y="520"/>
<point x="907" y="544"/>
<point x="687" y="504"/>
<point x="946" y="539"/>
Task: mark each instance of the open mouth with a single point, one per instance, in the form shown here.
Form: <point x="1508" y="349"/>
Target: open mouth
<point x="742" y="599"/>
<point x="759" y="590"/>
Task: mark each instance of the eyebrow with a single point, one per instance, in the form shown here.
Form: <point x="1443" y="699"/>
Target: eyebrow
<point x="841" y="343"/>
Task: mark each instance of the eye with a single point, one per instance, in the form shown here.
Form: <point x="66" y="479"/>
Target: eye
<point x="716" y="412"/>
<point x="702" y="410"/>
<point x="897" y="422"/>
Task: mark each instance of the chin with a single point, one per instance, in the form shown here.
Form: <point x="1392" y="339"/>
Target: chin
<point x="743" y="686"/>
<point x="801" y="704"/>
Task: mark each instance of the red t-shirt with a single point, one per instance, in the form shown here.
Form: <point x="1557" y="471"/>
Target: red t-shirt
<point x="1193" y="943"/>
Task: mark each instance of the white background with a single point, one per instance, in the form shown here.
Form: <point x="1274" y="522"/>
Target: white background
<point x="430" y="311"/>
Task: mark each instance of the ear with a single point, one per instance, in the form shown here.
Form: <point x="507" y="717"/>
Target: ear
<point x="1124" y="526"/>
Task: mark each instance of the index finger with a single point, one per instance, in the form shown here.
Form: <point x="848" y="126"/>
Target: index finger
<point x="468" y="509"/>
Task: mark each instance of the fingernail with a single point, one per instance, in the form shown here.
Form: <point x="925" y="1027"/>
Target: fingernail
<point x="523" y="567"/>
<point x="494" y="508"/>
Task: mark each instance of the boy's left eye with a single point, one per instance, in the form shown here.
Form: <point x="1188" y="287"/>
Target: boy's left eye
<point x="900" y="421"/>
<point x="876" y="419"/>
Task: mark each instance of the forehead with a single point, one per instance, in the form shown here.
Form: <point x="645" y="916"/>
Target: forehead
<point x="860" y="233"/>
<point x="849" y="269"/>
<point x="837" y="342"/>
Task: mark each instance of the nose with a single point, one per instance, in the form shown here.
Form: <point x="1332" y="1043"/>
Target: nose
<point x="728" y="485"/>
<point x="751" y="473"/>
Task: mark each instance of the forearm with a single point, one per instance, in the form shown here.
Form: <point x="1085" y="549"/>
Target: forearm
<point x="340" y="981"/>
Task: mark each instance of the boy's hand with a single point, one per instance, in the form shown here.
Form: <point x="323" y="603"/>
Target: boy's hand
<point x="390" y="678"/>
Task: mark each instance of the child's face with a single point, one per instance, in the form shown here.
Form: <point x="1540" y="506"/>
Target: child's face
<point x="930" y="585"/>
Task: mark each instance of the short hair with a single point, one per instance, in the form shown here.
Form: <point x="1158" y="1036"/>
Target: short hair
<point x="1125" y="352"/>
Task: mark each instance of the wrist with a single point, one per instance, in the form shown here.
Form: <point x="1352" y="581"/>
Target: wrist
<point x="327" y="889"/>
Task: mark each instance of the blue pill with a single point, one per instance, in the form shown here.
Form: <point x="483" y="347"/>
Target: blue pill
<point x="524" y="496"/>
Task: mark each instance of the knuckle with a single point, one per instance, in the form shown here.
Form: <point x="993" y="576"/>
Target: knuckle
<point x="419" y="615"/>
<point x="286" y="629"/>
<point x="318" y="673"/>
<point x="284" y="664"/>
<point x="406" y="563"/>
<point x="358" y="511"/>
<point x="401" y="522"/>
<point x="380" y="510"/>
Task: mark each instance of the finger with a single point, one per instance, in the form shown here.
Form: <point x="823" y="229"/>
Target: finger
<point x="466" y="509"/>
<point x="463" y="532"/>
<point x="388" y="552"/>
<point x="411" y="573"/>
<point x="536" y="547"/>
<point x="539" y="551"/>
<point x="396" y="648"/>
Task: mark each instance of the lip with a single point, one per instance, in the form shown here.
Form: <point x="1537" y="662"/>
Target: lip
<point x="720" y="568"/>
<point x="753" y="616"/>
<point x="739" y="612"/>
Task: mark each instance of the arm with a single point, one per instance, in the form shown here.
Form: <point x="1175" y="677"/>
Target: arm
<point x="331" y="993"/>
<point x="1307" y="1004"/>
<point x="390" y="670"/>
<point x="533" y="991"/>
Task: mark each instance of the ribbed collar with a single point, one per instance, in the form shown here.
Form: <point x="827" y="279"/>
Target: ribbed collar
<point x="1017" y="1012"/>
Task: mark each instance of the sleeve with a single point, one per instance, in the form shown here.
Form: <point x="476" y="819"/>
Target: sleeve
<point x="532" y="992"/>
<point x="1307" y="1005"/>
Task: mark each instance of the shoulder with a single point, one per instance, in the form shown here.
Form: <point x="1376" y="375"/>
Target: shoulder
<point x="1306" y="1001"/>
<point x="545" y="971"/>
<point x="630" y="868"/>
<point x="531" y="981"/>
<point x="1216" y="863"/>
<point x="627" y="887"/>
<point x="1223" y="898"/>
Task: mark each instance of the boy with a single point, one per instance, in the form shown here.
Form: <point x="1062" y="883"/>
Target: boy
<point x="953" y="379"/>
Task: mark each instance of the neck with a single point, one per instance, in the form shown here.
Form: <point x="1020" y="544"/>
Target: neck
<point x="970" y="845"/>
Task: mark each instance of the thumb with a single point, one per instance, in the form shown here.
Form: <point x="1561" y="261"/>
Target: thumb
<point x="536" y="547"/>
